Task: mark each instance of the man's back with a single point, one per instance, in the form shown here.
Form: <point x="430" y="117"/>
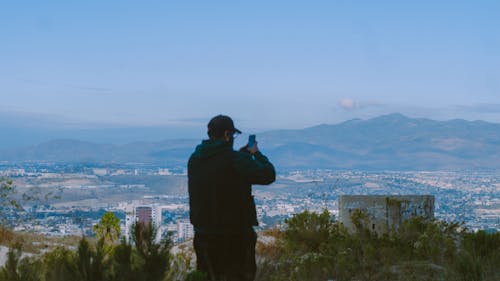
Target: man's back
<point x="220" y="186"/>
<point x="222" y="208"/>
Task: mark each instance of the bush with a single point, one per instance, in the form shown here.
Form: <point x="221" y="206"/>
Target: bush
<point x="313" y="247"/>
<point x="310" y="247"/>
<point x="145" y="260"/>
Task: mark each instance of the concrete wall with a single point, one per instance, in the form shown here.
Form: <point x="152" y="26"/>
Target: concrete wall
<point x="384" y="212"/>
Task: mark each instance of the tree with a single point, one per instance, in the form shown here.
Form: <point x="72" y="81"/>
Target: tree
<point x="307" y="231"/>
<point x="89" y="262"/>
<point x="9" y="205"/>
<point x="123" y="268"/>
<point x="108" y="228"/>
<point x="59" y="265"/>
<point x="9" y="272"/>
<point x="31" y="269"/>
<point x="7" y="192"/>
<point x="155" y="257"/>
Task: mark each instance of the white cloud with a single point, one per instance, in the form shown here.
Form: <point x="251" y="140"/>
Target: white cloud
<point x="351" y="104"/>
<point x="348" y="104"/>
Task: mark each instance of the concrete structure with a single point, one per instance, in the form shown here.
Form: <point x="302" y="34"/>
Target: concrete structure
<point x="384" y="212"/>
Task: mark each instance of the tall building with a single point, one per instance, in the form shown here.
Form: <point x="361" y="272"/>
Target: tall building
<point x="145" y="214"/>
<point x="185" y="230"/>
<point x="384" y="212"/>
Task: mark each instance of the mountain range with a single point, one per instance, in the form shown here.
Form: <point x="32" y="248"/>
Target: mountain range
<point x="389" y="142"/>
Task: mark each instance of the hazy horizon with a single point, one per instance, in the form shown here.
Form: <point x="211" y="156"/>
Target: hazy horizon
<point x="29" y="129"/>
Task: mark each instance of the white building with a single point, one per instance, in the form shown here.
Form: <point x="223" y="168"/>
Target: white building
<point x="185" y="230"/>
<point x="145" y="214"/>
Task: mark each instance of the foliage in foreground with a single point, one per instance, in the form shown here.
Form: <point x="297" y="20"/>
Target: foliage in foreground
<point x="142" y="260"/>
<point x="310" y="247"/>
<point x="11" y="201"/>
<point x="314" y="247"/>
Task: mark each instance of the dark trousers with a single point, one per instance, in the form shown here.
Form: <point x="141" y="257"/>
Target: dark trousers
<point x="226" y="257"/>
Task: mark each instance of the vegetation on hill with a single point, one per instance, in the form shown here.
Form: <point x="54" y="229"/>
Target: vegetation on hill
<point x="310" y="246"/>
<point x="142" y="259"/>
<point x="7" y="191"/>
<point x="314" y="247"/>
<point x="11" y="200"/>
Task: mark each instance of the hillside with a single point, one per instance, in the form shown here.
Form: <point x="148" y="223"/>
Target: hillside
<point x="311" y="246"/>
<point x="390" y="142"/>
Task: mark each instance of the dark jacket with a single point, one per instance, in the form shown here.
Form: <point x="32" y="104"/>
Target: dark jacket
<point x="220" y="186"/>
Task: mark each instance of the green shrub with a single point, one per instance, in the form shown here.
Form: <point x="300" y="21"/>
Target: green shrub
<point x="310" y="247"/>
<point x="313" y="247"/>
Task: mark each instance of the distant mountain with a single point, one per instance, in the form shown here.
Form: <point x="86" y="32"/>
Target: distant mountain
<point x="172" y="152"/>
<point x="393" y="142"/>
<point x="390" y="142"/>
<point x="23" y="130"/>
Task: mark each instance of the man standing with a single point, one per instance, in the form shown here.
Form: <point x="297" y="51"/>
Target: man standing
<point x="222" y="208"/>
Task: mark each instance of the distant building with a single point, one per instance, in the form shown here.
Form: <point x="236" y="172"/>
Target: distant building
<point x="129" y="221"/>
<point x="100" y="171"/>
<point x="145" y="214"/>
<point x="164" y="172"/>
<point x="185" y="230"/>
<point x="384" y="212"/>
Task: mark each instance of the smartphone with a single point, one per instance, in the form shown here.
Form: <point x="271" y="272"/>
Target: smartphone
<point x="251" y="141"/>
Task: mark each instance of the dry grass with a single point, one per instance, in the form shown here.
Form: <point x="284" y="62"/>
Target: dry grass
<point x="36" y="243"/>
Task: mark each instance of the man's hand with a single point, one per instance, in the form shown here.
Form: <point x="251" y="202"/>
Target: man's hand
<point x="252" y="149"/>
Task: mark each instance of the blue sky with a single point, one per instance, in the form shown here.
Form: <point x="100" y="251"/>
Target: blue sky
<point x="268" y="64"/>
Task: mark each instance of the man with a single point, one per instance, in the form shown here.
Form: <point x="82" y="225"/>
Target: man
<point x="222" y="208"/>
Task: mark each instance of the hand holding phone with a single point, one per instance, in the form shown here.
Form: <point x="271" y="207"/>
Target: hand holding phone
<point x="251" y="141"/>
<point x="252" y="144"/>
